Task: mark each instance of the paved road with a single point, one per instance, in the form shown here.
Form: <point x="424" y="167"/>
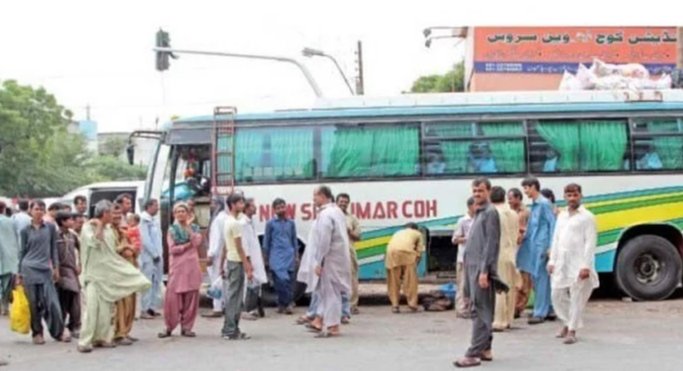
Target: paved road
<point x="620" y="336"/>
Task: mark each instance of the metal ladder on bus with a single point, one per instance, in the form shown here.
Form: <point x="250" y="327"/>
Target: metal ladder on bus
<point x="223" y="151"/>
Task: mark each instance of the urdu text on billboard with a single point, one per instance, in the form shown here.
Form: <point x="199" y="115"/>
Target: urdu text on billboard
<point x="553" y="50"/>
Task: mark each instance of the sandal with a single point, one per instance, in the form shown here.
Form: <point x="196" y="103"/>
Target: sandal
<point x="303" y="320"/>
<point x="345" y="320"/>
<point x="313" y="328"/>
<point x="467" y="362"/>
<point x="395" y="310"/>
<point x="188" y="334"/>
<point x="570" y="340"/>
<point x="164" y="335"/>
<point x="326" y="335"/>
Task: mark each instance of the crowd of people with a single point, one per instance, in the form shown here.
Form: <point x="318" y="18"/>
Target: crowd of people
<point x="510" y="250"/>
<point x="91" y="279"/>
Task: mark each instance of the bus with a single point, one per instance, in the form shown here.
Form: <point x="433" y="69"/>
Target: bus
<point x="412" y="158"/>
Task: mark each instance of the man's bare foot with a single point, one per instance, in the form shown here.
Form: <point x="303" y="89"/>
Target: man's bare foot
<point x="38" y="340"/>
<point x="66" y="337"/>
<point x="562" y="333"/>
<point x="571" y="338"/>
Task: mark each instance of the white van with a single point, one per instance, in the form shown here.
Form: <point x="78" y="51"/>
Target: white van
<point x="96" y="192"/>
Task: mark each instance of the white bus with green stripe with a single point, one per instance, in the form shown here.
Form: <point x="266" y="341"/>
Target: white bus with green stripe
<point x="412" y="158"/>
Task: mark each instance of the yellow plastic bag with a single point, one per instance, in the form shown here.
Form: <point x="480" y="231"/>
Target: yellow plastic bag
<point x="20" y="315"/>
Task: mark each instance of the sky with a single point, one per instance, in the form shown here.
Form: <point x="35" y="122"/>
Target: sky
<point x="98" y="53"/>
<point x="101" y="55"/>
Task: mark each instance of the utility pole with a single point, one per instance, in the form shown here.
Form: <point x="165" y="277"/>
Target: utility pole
<point x="360" y="84"/>
<point x="87" y="112"/>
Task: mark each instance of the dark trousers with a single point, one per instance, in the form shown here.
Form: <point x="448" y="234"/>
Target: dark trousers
<point x="253" y="301"/>
<point x="234" y="294"/>
<point x="44" y="304"/>
<point x="483" y="304"/>
<point x="70" y="302"/>
<point x="282" y="281"/>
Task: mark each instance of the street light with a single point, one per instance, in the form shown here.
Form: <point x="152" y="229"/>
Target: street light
<point x="310" y="53"/>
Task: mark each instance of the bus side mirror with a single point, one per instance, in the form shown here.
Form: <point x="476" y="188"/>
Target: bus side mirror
<point x="130" y="153"/>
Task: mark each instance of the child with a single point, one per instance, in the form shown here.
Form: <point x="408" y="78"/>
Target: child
<point x="133" y="232"/>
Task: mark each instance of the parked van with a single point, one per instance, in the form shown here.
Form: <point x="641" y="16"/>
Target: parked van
<point x="96" y="192"/>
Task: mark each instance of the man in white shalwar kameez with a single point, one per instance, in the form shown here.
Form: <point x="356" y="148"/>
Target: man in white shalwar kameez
<point x="326" y="266"/>
<point x="571" y="264"/>
<point x="253" y="307"/>
<point x="216" y="244"/>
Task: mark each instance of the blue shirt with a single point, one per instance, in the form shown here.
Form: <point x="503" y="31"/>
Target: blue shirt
<point x="150" y="236"/>
<point x="550" y="165"/>
<point x="532" y="255"/>
<point x="280" y="243"/>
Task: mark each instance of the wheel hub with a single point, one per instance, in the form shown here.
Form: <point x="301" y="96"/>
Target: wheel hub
<point x="647" y="268"/>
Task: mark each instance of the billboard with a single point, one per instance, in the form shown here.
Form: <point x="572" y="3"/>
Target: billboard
<point x="553" y="50"/>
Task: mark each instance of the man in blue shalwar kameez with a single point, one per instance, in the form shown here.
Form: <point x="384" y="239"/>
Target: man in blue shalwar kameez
<point x="281" y="246"/>
<point x="532" y="256"/>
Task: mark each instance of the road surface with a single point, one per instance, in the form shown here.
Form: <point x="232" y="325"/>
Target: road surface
<point x="619" y="336"/>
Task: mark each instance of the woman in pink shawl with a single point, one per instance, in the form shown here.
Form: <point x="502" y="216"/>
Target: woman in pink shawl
<point x="184" y="274"/>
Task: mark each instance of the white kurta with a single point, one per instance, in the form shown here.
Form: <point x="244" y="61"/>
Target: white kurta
<point x="306" y="272"/>
<point x="216" y="244"/>
<point x="573" y="249"/>
<point x="330" y="245"/>
<point x="252" y="248"/>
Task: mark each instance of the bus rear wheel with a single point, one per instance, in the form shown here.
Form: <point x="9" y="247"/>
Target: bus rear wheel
<point x="648" y="268"/>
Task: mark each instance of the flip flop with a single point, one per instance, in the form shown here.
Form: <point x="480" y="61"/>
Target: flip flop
<point x="302" y="320"/>
<point x="570" y="340"/>
<point x="467" y="362"/>
<point x="312" y="328"/>
<point x="326" y="335"/>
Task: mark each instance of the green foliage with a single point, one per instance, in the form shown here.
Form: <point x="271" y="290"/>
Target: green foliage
<point x="39" y="157"/>
<point x="451" y="81"/>
<point x="113" y="146"/>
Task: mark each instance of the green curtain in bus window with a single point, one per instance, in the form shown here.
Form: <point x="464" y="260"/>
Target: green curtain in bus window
<point x="508" y="154"/>
<point x="669" y="149"/>
<point x="563" y="137"/>
<point x="291" y="152"/>
<point x="603" y="145"/>
<point x="396" y="151"/>
<point x="351" y="155"/>
<point x="456" y="153"/>
<point x="249" y="154"/>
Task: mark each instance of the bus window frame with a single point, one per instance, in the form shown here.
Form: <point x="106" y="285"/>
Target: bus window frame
<point x="525" y="118"/>
<point x="636" y="135"/>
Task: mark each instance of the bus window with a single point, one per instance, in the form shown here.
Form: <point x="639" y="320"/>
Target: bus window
<point x="587" y="145"/>
<point x="367" y="151"/>
<point x="272" y="154"/>
<point x="478" y="148"/>
<point x="658" y="144"/>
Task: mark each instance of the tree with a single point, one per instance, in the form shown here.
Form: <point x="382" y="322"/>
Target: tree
<point x="110" y="168"/>
<point x="39" y="157"/>
<point x="451" y="81"/>
<point x="113" y="146"/>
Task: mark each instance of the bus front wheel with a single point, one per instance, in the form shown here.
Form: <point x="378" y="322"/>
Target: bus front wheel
<point x="648" y="268"/>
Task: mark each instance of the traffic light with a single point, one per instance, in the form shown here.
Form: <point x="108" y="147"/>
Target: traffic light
<point x="163" y="40"/>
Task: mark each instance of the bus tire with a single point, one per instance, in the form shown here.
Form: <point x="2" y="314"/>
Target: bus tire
<point x="648" y="268"/>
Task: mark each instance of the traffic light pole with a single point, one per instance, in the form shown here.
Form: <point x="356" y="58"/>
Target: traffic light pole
<point x="307" y="74"/>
